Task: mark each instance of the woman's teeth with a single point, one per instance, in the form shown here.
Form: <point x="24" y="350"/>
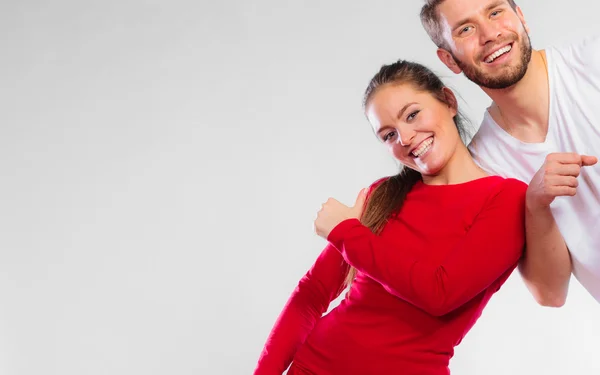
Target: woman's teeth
<point x="424" y="147"/>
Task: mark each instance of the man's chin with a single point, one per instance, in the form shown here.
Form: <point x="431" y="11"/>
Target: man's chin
<point x="506" y="75"/>
<point x="497" y="81"/>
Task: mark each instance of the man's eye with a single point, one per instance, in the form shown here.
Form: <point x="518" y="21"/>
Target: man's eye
<point x="465" y="29"/>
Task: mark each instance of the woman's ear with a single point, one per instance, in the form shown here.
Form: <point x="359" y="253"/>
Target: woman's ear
<point x="451" y="100"/>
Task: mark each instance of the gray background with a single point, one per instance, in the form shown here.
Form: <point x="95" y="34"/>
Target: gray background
<point x="161" y="164"/>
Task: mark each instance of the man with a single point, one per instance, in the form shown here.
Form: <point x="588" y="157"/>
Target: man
<point x="542" y="127"/>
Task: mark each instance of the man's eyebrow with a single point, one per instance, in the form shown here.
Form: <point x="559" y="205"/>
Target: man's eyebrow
<point x="487" y="9"/>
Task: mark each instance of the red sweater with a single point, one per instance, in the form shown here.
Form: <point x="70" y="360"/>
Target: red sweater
<point x="422" y="283"/>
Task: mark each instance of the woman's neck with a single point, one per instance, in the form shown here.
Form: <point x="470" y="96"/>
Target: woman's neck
<point x="460" y="168"/>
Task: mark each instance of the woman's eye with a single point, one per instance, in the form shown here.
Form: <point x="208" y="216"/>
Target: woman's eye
<point x="388" y="136"/>
<point x="412" y="116"/>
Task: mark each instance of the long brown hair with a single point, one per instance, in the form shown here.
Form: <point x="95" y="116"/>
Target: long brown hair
<point x="387" y="197"/>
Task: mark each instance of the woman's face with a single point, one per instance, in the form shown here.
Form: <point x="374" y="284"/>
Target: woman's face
<point x="418" y="128"/>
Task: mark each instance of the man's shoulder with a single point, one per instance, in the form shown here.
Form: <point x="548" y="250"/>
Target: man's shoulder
<point x="488" y="149"/>
<point x="581" y="51"/>
<point x="484" y="137"/>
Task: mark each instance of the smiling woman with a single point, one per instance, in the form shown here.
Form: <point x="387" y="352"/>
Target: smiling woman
<point x="422" y="251"/>
<point x="418" y="127"/>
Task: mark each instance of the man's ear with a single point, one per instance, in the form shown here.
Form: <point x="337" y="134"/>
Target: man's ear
<point x="446" y="57"/>
<point x="522" y="18"/>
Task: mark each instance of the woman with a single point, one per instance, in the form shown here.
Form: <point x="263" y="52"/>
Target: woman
<point x="430" y="248"/>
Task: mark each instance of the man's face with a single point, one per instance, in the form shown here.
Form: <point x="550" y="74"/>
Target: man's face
<point x="488" y="41"/>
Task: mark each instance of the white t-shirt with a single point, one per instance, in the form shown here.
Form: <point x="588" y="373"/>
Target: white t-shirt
<point x="573" y="126"/>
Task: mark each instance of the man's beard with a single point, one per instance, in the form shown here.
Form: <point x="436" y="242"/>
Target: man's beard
<point x="512" y="76"/>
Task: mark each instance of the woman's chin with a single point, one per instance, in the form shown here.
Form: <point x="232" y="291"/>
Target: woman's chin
<point x="428" y="170"/>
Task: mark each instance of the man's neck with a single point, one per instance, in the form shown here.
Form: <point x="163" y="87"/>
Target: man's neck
<point x="523" y="109"/>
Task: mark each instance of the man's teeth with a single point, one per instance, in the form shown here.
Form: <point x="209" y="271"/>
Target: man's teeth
<point x="496" y="54"/>
<point x="426" y="145"/>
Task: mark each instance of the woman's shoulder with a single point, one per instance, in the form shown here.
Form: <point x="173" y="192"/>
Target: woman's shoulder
<point x="374" y="185"/>
<point x="491" y="186"/>
<point x="489" y="189"/>
<point x="512" y="184"/>
<point x="500" y="182"/>
<point x="507" y="188"/>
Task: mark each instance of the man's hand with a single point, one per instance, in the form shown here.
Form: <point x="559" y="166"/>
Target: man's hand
<point x="333" y="212"/>
<point x="557" y="177"/>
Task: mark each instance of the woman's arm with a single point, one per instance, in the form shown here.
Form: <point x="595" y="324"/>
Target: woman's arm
<point x="309" y="301"/>
<point x="491" y="248"/>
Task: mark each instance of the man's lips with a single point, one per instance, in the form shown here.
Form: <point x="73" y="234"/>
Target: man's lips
<point x="493" y="54"/>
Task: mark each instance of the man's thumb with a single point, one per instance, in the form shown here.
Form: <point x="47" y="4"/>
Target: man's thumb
<point x="587" y="160"/>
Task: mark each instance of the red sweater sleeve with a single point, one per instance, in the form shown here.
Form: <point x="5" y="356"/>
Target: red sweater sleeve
<point x="492" y="246"/>
<point x="310" y="300"/>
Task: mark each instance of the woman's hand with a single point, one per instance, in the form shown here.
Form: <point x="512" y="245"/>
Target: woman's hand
<point x="333" y="212"/>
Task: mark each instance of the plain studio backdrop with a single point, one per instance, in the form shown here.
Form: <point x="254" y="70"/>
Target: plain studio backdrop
<point x="162" y="163"/>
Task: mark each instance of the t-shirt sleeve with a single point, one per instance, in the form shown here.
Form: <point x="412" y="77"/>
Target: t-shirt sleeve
<point x="323" y="283"/>
<point x="581" y="57"/>
<point x="587" y="54"/>
<point x="489" y="251"/>
<point x="579" y="64"/>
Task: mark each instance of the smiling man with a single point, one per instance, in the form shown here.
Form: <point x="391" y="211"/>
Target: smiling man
<point x="543" y="127"/>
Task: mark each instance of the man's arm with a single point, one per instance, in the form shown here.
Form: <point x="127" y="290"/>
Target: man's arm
<point x="546" y="265"/>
